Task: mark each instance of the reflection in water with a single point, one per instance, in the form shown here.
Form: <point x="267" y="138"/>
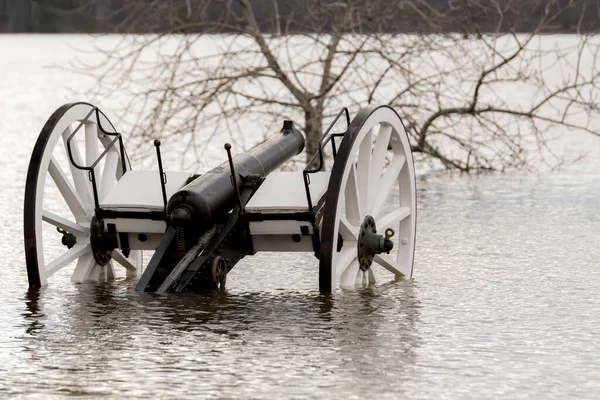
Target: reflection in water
<point x="231" y="337"/>
<point x="33" y="316"/>
<point x="378" y="339"/>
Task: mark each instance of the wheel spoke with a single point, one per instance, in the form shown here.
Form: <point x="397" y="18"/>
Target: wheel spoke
<point x="393" y="218"/>
<point x="371" y="275"/>
<point x="350" y="274"/>
<point x="67" y="191"/>
<point x="118" y="256"/>
<point x="109" y="174"/>
<point x="70" y="255"/>
<point x="352" y="197"/>
<point x="347" y="230"/>
<point x="136" y="259"/>
<point x="92" y="153"/>
<point x="343" y="259"/>
<point x="389" y="178"/>
<point x="63" y="223"/>
<point x="91" y="144"/>
<point x="110" y="271"/>
<point x="377" y="162"/>
<point x="387" y="262"/>
<point x="363" y="168"/>
<point x="86" y="269"/>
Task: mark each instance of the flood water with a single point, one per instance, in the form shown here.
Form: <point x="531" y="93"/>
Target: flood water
<point x="505" y="300"/>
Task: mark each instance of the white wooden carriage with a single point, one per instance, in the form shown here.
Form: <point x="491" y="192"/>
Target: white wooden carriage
<point x="88" y="211"/>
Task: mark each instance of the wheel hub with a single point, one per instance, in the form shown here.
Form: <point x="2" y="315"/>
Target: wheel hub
<point x="370" y="243"/>
<point x="102" y="242"/>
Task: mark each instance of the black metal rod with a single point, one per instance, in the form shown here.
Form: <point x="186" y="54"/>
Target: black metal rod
<point x="122" y="148"/>
<point x="234" y="179"/>
<point x="95" y="189"/>
<point x="163" y="180"/>
<point x="306" y="187"/>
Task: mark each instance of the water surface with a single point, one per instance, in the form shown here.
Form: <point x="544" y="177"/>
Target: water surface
<point x="503" y="304"/>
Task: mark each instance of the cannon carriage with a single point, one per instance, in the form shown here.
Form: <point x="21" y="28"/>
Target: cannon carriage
<point x="358" y="219"/>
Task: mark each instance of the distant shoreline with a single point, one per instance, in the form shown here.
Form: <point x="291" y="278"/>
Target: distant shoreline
<point x="300" y="17"/>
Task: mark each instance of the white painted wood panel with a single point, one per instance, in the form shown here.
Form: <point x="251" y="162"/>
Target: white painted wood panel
<point x="279" y="227"/>
<point x="142" y="191"/>
<point x="284" y="192"/>
<point x="277" y="243"/>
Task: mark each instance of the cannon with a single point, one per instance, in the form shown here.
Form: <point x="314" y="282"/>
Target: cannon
<point x="87" y="211"/>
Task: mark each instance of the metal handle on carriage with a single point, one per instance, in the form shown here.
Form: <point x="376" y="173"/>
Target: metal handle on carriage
<point x="90" y="169"/>
<point x="322" y="143"/>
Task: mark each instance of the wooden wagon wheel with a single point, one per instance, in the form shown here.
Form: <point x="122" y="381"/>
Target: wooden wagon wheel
<point x="374" y="166"/>
<point x="59" y="212"/>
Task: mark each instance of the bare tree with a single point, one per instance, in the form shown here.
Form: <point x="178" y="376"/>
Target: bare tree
<point x="486" y="98"/>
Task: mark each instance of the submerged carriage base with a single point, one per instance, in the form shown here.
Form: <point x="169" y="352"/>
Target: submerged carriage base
<point x="201" y="226"/>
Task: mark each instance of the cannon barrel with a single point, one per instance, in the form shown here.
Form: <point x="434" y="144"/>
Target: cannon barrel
<point x="212" y="195"/>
